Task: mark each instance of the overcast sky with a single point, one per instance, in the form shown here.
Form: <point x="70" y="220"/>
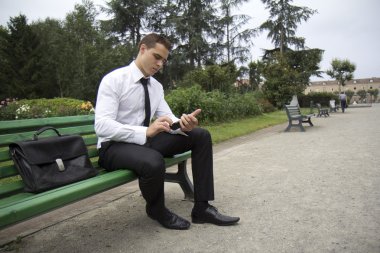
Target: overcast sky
<point x="345" y="29"/>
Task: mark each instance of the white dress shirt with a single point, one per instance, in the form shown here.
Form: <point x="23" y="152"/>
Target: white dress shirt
<point x="120" y="106"/>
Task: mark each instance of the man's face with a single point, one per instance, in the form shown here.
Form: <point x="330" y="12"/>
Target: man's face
<point x="152" y="59"/>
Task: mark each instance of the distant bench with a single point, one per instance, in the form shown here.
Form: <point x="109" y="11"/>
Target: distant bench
<point x="17" y="205"/>
<point x="322" y="111"/>
<point x="294" y="115"/>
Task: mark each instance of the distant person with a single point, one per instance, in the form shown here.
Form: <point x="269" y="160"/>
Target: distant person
<point x="343" y="101"/>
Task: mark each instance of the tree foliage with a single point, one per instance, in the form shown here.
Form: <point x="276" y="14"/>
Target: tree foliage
<point x="20" y="66"/>
<point x="237" y="41"/>
<point x="283" y="21"/>
<point x="57" y="58"/>
<point x="67" y="58"/>
<point x="289" y="73"/>
<point x="342" y="71"/>
<point x="213" y="77"/>
<point x="374" y="93"/>
<point x="255" y="74"/>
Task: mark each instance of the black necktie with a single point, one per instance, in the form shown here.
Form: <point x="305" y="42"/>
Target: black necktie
<point x="144" y="82"/>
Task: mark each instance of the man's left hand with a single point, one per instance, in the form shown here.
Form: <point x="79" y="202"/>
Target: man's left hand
<point x="189" y="121"/>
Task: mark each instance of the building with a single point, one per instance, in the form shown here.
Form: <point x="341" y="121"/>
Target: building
<point x="354" y="85"/>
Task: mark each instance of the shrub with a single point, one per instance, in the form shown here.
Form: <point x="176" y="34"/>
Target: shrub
<point x="42" y="108"/>
<point x="216" y="106"/>
<point x="317" y="97"/>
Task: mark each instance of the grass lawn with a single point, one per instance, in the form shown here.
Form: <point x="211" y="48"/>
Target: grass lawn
<point x="224" y="131"/>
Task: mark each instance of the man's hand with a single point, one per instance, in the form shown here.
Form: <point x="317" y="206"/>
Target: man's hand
<point x="162" y="124"/>
<point x="189" y="121"/>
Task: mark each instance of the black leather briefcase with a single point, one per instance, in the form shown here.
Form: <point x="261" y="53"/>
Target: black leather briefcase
<point x="50" y="162"/>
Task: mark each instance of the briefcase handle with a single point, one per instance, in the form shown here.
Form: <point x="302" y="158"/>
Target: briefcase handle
<point x="43" y="129"/>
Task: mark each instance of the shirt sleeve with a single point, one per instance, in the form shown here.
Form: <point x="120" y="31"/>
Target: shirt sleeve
<point x="106" y="112"/>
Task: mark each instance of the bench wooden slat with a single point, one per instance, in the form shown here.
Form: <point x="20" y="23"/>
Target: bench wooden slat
<point x="30" y="205"/>
<point x="8" y="188"/>
<point x="177" y="158"/>
<point x="4" y="155"/>
<point x="7" y="170"/>
<point x="90" y="139"/>
<point x="29" y="124"/>
<point x="8" y="138"/>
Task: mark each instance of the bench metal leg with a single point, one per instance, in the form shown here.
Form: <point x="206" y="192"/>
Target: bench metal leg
<point x="289" y="126"/>
<point x="309" y="121"/>
<point x="301" y="126"/>
<point x="182" y="179"/>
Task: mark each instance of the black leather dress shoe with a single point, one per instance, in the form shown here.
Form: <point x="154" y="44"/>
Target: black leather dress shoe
<point x="170" y="220"/>
<point x="211" y="215"/>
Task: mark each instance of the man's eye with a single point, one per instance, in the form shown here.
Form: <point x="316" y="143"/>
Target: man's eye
<point x="160" y="58"/>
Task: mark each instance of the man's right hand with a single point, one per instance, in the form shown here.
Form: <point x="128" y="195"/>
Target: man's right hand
<point x="162" y="124"/>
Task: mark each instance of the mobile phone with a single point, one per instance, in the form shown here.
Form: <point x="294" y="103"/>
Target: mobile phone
<point x="175" y="126"/>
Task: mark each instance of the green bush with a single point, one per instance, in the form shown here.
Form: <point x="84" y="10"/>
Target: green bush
<point x="43" y="108"/>
<point x="216" y="106"/>
<point x="317" y="97"/>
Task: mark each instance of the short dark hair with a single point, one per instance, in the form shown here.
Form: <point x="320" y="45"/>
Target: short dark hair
<point x="151" y="39"/>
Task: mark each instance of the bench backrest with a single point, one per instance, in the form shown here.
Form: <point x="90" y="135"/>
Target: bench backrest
<point x="292" y="110"/>
<point x="18" y="130"/>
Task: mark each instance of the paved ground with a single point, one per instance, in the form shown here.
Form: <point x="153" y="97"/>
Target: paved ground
<point x="317" y="191"/>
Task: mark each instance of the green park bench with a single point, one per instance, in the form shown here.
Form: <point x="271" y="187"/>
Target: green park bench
<point x="322" y="111"/>
<point x="17" y="205"/>
<point x="294" y="114"/>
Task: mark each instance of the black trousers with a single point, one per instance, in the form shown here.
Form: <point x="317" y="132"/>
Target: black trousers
<point x="343" y="104"/>
<point x="147" y="161"/>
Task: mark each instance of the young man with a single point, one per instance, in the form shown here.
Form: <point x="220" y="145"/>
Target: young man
<point x="127" y="139"/>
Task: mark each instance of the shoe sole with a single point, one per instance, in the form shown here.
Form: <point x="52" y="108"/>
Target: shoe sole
<point x="196" y="221"/>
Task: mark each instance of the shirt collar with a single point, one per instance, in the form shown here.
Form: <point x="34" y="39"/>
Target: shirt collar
<point x="136" y="73"/>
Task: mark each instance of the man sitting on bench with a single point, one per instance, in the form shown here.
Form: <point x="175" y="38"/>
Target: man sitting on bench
<point x="127" y="100"/>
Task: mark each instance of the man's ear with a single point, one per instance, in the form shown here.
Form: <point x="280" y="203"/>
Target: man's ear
<point x="143" y="48"/>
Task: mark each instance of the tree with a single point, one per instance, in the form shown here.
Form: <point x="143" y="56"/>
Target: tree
<point x="374" y="93"/>
<point x="87" y="53"/>
<point x="196" y="26"/>
<point x="233" y="36"/>
<point x="52" y="43"/>
<point x="283" y="22"/>
<point x="128" y="19"/>
<point x="362" y="94"/>
<point x="288" y="74"/>
<point x="342" y="71"/>
<point x="255" y="74"/>
<point x="5" y="90"/>
<point x="281" y="81"/>
<point x="20" y="50"/>
<point x="349" y="94"/>
<point x="212" y="77"/>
